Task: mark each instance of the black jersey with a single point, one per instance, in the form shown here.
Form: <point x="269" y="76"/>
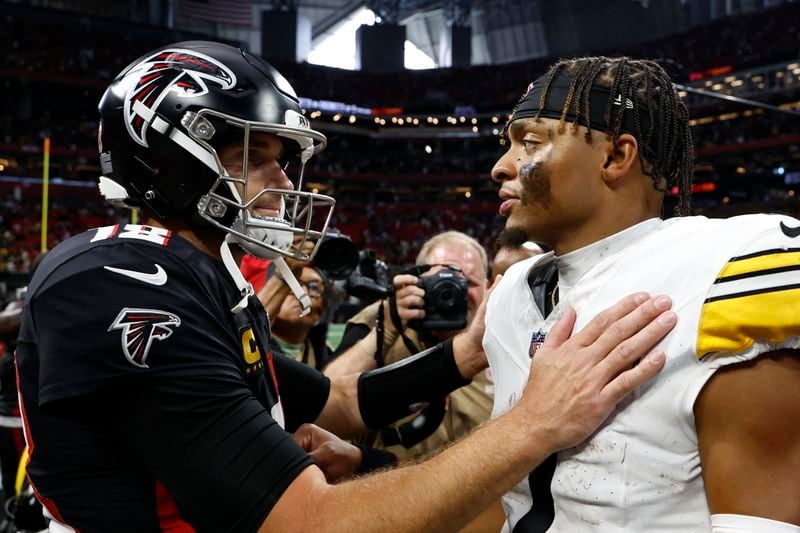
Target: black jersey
<point x="148" y="404"/>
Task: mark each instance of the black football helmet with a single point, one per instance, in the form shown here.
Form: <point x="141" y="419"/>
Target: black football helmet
<point x="165" y="117"/>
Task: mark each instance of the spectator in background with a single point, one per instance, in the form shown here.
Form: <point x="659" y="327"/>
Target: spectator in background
<point x="291" y="330"/>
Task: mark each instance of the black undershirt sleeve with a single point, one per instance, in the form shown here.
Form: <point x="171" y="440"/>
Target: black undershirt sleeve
<point x="213" y="446"/>
<point x="304" y="391"/>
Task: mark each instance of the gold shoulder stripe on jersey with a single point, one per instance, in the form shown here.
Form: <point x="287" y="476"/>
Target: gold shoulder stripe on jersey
<point x="754" y="297"/>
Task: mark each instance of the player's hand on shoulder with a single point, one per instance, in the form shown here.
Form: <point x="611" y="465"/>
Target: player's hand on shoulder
<point x="576" y="381"/>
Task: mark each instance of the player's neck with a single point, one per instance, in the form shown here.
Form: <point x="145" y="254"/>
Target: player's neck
<point x="600" y="228"/>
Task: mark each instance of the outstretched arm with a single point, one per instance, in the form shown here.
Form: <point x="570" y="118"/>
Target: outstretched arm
<point x="748" y="427"/>
<point x="343" y="414"/>
<point x="575" y="382"/>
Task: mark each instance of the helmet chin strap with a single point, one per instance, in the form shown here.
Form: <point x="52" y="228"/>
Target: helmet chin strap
<point x="245" y="289"/>
<point x="288" y="277"/>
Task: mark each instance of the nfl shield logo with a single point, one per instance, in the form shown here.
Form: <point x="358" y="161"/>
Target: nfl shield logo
<point x="537" y="339"/>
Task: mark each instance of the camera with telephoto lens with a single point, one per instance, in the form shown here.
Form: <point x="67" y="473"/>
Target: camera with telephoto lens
<point x="445" y="301"/>
<point x="370" y="279"/>
<point x="337" y="256"/>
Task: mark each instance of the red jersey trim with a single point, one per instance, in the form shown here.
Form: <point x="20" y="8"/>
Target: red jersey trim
<point x="169" y="517"/>
<point x="46" y="502"/>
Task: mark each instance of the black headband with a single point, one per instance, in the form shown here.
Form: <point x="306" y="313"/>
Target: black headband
<point x="598" y="100"/>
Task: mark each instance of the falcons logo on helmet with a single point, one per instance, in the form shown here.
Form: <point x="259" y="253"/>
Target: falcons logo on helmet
<point x="139" y="328"/>
<point x="183" y="72"/>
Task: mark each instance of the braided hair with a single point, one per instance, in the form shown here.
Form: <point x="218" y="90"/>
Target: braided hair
<point x="665" y="144"/>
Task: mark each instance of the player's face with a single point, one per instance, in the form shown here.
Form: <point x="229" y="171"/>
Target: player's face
<point x="549" y="182"/>
<point x="289" y="311"/>
<point x="468" y="260"/>
<point x="264" y="171"/>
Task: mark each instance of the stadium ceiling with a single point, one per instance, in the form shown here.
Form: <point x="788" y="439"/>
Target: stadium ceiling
<point x="426" y="20"/>
<point x="504" y="31"/>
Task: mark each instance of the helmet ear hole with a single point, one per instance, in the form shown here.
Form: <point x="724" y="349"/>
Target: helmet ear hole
<point x="291" y="153"/>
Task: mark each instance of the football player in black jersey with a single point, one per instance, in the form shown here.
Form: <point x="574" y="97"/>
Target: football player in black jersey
<point x="149" y="397"/>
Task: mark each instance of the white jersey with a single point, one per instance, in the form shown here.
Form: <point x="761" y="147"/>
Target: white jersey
<point x="735" y="286"/>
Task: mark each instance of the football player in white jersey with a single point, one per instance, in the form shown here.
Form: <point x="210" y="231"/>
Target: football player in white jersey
<point x="712" y="443"/>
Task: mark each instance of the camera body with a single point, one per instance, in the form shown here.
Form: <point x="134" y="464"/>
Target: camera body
<point x="445" y="301"/>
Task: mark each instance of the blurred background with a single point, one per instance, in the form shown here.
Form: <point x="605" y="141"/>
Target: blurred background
<point x="411" y="94"/>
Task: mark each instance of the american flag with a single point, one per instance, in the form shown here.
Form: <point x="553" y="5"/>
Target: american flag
<point x="233" y="12"/>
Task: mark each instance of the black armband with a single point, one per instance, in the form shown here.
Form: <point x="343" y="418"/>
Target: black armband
<point x="372" y="459"/>
<point x="398" y="390"/>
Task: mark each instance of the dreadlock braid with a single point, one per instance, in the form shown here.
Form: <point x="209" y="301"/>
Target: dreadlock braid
<point x="576" y="86"/>
<point x="568" y="101"/>
<point x="593" y="72"/>
<point x="548" y="82"/>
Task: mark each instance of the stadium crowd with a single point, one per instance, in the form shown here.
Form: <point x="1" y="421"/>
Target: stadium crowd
<point x="386" y="185"/>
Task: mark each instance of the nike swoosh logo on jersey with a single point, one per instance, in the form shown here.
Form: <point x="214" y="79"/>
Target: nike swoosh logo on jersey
<point x="790" y="232"/>
<point x="158" y="278"/>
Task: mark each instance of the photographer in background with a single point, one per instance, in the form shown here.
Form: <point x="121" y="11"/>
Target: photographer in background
<point x="416" y="327"/>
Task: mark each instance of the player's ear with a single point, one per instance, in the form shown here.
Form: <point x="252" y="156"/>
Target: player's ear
<point x="621" y="157"/>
